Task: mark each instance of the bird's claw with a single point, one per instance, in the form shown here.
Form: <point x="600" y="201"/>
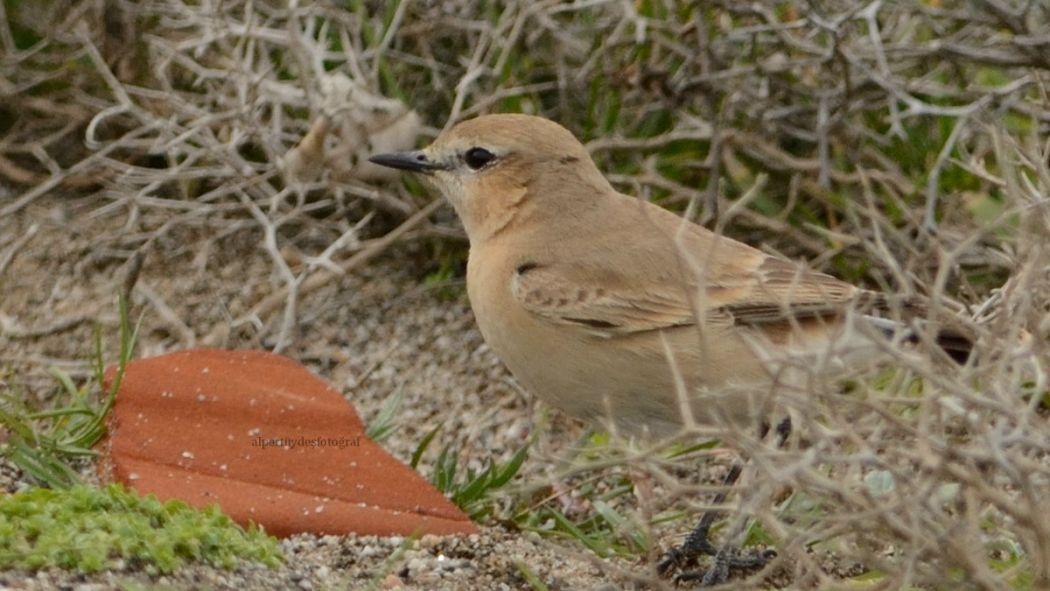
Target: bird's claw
<point x="726" y="560"/>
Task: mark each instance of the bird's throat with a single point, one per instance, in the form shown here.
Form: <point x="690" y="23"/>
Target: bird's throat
<point x="494" y="214"/>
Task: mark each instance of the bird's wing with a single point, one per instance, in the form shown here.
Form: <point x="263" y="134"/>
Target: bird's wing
<point x="776" y="291"/>
<point x="605" y="303"/>
<point x="650" y="270"/>
<point x="600" y="304"/>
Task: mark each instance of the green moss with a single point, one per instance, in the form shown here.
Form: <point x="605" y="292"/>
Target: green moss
<point x="88" y="529"/>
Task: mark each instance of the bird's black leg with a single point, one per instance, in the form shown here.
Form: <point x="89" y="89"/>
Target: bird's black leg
<point x="698" y="542"/>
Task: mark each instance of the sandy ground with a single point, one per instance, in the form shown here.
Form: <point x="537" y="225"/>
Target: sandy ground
<point x="372" y="333"/>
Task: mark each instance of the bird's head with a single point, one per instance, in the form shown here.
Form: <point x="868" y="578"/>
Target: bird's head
<point x="487" y="166"/>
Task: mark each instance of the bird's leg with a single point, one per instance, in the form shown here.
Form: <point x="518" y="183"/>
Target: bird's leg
<point x="698" y="542"/>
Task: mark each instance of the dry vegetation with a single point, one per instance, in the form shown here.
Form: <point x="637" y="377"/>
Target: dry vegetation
<point x="898" y="144"/>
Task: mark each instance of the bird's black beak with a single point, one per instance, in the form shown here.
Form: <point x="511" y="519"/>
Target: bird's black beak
<point x="415" y="161"/>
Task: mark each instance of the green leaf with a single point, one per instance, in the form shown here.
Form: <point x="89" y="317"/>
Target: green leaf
<point x="384" y="426"/>
<point x="422" y="447"/>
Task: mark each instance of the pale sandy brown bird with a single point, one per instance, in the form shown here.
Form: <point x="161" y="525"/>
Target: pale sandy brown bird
<point x="609" y="307"/>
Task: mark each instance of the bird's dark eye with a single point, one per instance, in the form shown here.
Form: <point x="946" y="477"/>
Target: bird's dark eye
<point x="476" y="158"/>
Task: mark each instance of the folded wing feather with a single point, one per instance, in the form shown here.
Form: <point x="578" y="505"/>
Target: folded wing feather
<point x="773" y="291"/>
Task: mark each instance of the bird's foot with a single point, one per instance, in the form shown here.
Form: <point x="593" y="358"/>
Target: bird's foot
<point x="725" y="560"/>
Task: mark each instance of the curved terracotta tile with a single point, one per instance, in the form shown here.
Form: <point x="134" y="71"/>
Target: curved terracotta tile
<point x="269" y="442"/>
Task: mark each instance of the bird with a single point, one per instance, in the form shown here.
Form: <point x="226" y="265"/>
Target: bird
<point x="620" y="312"/>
